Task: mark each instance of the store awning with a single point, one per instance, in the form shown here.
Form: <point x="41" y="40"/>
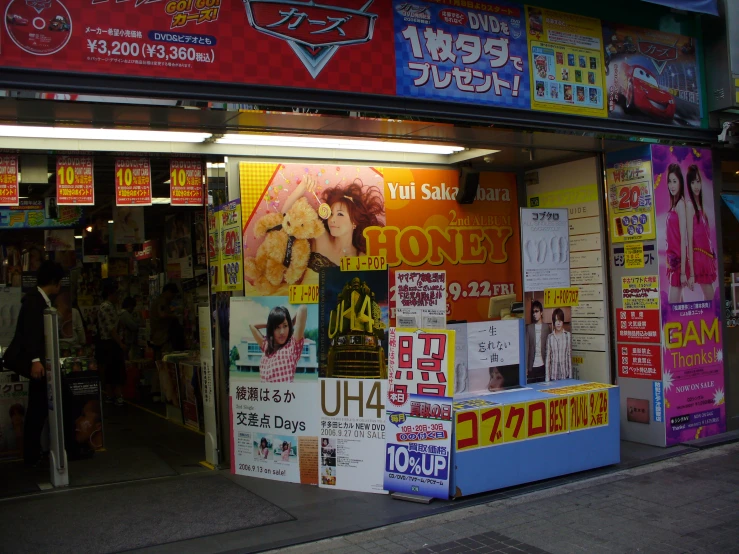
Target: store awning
<point x="701" y="6"/>
<point x="732" y="201"/>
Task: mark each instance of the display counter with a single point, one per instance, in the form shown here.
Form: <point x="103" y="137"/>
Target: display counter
<point x="537" y="432"/>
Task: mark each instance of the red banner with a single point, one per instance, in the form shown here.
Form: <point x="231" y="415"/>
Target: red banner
<point x="9" y="181"/>
<point x="74" y="181"/>
<point x="132" y="182"/>
<point x="640" y="361"/>
<point x="186" y="182"/>
<point x="638" y="326"/>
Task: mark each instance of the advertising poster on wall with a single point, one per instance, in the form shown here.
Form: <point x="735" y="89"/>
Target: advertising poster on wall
<point x="178" y="246"/>
<point x="477" y="54"/>
<point x="185" y="182"/>
<point x="13" y="403"/>
<point x="631" y="200"/>
<point x="231" y="255"/>
<point x="132" y="182"/>
<point x="354" y="324"/>
<point x="493" y="356"/>
<point x="128" y="226"/>
<point x="566" y="56"/>
<point x="640" y="292"/>
<point x="546" y="248"/>
<point x="9" y="195"/>
<point x="75" y="181"/>
<point x="31" y="214"/>
<point x="690" y="298"/>
<point x="419" y="412"/>
<point x="83" y="415"/>
<point x="420" y="299"/>
<point x="652" y="76"/>
<point x="353" y="434"/>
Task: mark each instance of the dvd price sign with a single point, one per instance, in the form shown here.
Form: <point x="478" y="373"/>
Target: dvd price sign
<point x="9" y="181"/>
<point x="74" y="181"/>
<point x="419" y="412"/>
<point x="132" y="182"/>
<point x="186" y="182"/>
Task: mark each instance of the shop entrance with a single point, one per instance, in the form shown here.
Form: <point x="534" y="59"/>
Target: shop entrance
<point x="148" y="423"/>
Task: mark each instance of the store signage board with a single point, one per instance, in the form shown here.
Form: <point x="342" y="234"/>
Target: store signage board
<point x="9" y="195"/>
<point x="186" y="182"/>
<point x="132" y="182"/>
<point x="75" y="181"/>
<point x="546" y="253"/>
<point x="489" y="53"/>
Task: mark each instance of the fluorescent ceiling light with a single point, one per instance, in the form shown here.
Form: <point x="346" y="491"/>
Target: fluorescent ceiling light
<point x="99" y="134"/>
<point x="337" y="143"/>
<point x="111" y="221"/>
<point x="216" y="165"/>
<point x="78" y="237"/>
<point x="160" y="200"/>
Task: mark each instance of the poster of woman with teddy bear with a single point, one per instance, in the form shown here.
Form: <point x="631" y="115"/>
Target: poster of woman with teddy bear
<point x="305" y="218"/>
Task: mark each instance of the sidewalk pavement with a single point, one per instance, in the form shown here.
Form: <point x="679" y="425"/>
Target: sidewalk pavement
<point x="685" y="504"/>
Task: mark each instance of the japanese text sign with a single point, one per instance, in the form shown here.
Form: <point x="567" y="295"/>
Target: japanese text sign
<point x="420" y="299"/>
<point x="230" y="248"/>
<point x="640" y="292"/>
<point x="640" y="361"/>
<point x="476" y="55"/>
<point x="631" y="201"/>
<point x="9" y="181"/>
<point x="132" y="182"/>
<point x="186" y="182"/>
<point x="634" y="255"/>
<point x="637" y="326"/>
<point x="561" y="297"/>
<point x="74" y="181"/>
<point x="493" y="343"/>
<point x="546" y="248"/>
<point x="420" y="362"/>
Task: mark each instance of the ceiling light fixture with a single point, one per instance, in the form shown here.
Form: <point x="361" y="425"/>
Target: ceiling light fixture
<point x="160" y="200"/>
<point x="80" y="133"/>
<point x="338" y="144"/>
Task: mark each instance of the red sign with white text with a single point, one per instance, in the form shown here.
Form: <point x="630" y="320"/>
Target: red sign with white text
<point x="9" y="181"/>
<point x="186" y="182"/>
<point x="132" y="182"/>
<point x="74" y="181"/>
<point x="637" y="326"/>
<point x="640" y="361"/>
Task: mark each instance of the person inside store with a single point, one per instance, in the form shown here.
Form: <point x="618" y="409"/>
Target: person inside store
<point x="678" y="268"/>
<point x="559" y="349"/>
<point x="163" y="319"/>
<point x="110" y="349"/>
<point x="283" y="345"/>
<point x="537" y="333"/>
<point x="354" y="207"/>
<point x="71" y="327"/>
<point x="129" y="326"/>
<point x="701" y="255"/>
<point x="25" y="355"/>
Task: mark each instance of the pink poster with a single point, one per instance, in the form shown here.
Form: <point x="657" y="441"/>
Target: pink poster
<point x="693" y="375"/>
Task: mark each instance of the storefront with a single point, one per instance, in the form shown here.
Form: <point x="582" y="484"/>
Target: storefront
<point x="413" y="275"/>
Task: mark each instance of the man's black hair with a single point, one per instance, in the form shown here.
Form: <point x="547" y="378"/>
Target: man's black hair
<point x="49" y="273"/>
<point x="171" y="287"/>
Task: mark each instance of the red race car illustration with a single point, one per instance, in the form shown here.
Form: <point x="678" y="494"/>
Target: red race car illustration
<point x="644" y="94"/>
<point x="14" y="19"/>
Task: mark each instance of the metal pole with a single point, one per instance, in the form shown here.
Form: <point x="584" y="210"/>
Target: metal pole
<point x="59" y="468"/>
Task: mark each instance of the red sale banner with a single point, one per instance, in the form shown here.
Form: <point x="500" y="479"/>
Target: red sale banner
<point x="132" y="182"/>
<point x="9" y="181"/>
<point x="638" y="326"/>
<point x="186" y="182"/>
<point x="640" y="361"/>
<point x="74" y="181"/>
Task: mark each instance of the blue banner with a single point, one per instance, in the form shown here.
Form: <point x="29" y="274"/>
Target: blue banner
<point x="732" y="201"/>
<point x="35" y="214"/>
<point x="476" y="56"/>
<point x="701" y="6"/>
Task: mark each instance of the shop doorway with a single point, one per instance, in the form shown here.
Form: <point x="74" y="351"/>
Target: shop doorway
<point x="152" y="424"/>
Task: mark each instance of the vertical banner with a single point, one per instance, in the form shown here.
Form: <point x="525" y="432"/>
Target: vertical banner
<point x="477" y="56"/>
<point x="352" y="434"/>
<point x="566" y="54"/>
<point x="74" y="181"/>
<point x="231" y="257"/>
<point x="132" y="182"/>
<point x="631" y="200"/>
<point x="693" y="375"/>
<point x="419" y="412"/>
<point x="420" y="299"/>
<point x="9" y="195"/>
<point x="652" y="76"/>
<point x="186" y="182"/>
<point x="214" y="251"/>
<point x="546" y="248"/>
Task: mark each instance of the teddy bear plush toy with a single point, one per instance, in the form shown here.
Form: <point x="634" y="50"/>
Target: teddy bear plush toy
<point x="284" y="254"/>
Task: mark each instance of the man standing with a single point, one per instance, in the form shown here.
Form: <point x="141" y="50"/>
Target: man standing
<point x="163" y="319"/>
<point x="29" y="335"/>
<point x="110" y="350"/>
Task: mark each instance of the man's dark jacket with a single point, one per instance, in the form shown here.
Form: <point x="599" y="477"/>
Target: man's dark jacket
<point x="29" y="332"/>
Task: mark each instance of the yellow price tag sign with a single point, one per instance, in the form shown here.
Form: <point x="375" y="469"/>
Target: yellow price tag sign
<point x="303" y="294"/>
<point x="557" y="410"/>
<point x="598" y="405"/>
<point x="579" y="411"/>
<point x="515" y="427"/>
<point x="363" y="263"/>
<point x="633" y="255"/>
<point x="491" y="426"/>
<point x="560" y="298"/>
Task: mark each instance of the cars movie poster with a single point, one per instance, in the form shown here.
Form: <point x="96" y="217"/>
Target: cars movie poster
<point x="475" y="55"/>
<point x="690" y="299"/>
<point x="651" y="76"/>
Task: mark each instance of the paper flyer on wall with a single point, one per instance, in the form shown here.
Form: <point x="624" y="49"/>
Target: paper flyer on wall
<point x="275" y="430"/>
<point x="352" y="434"/>
<point x="13" y="403"/>
<point x="546" y="248"/>
<point x="420" y="299"/>
<point x="353" y="321"/>
<point x="419" y="412"/>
